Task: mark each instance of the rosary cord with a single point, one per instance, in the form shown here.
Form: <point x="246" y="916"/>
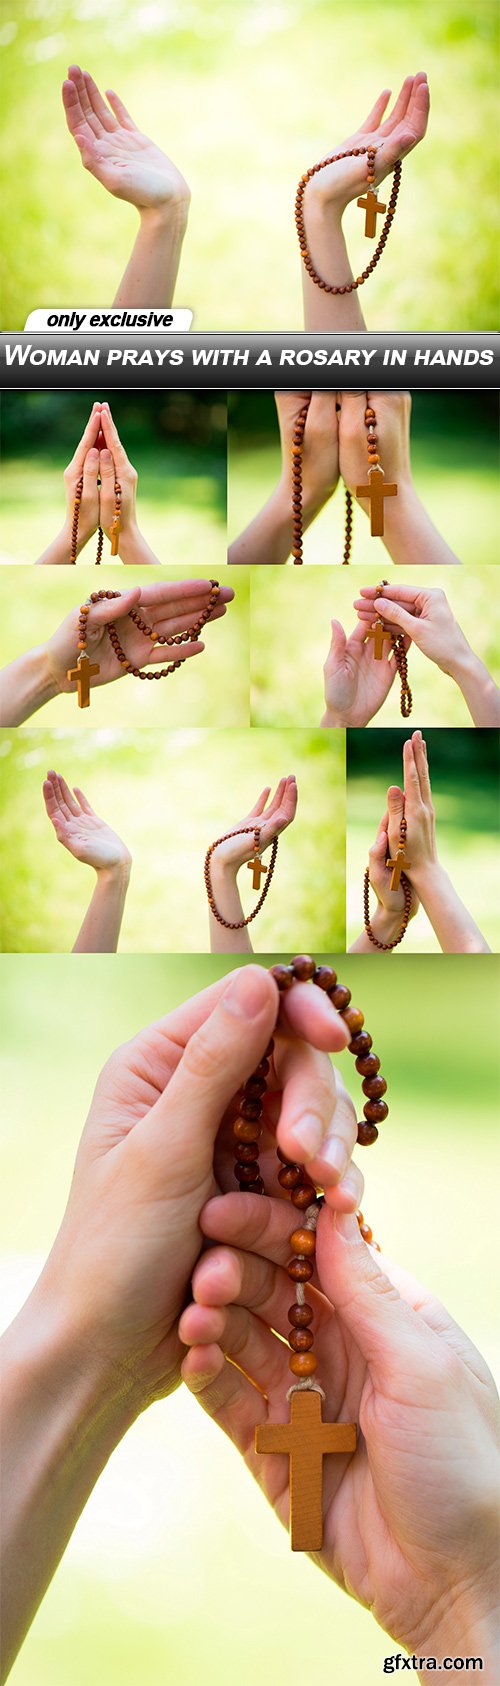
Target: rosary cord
<point x="191" y="633"/>
<point x="401" y="660"/>
<point x="100" y="535"/>
<point x="335" y="158"/>
<point x="238" y="924"/>
<point x="297" y="513"/>
<point x="406" y="887"/>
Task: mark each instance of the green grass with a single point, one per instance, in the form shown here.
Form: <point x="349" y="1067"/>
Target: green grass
<point x="169" y="795"/>
<point x="287" y="664"/>
<point x="244" y="98"/>
<point x="151" y="1582"/>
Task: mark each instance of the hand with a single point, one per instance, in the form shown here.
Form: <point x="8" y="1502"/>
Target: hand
<point x="114" y="463"/>
<point x="119" y="1271"/>
<point x="386" y="919"/>
<point x="272" y="819"/>
<point x="393" y="411"/>
<point x="167" y="607"/>
<point x="85" y="461"/>
<point x="424" y="616"/>
<point x="79" y="829"/>
<point x="355" y="684"/>
<point x="410" y="1517"/>
<point x="127" y="163"/>
<point x="337" y="184"/>
<point x="320" y="456"/>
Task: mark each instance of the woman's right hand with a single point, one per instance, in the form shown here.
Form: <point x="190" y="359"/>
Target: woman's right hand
<point x="355" y="684"/>
<point x="320" y="455"/>
<point x="422" y="614"/>
<point x="272" y="819"/>
<point x="334" y="186"/>
<point x="84" y="462"/>
<point x="79" y="828"/>
<point x="168" y="606"/>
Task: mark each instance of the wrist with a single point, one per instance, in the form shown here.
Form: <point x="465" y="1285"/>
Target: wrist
<point x="116" y="872"/>
<point x="463" y="665"/>
<point x="332" y="717"/>
<point x="466" y="1627"/>
<point x="170" y="216"/>
<point x="130" y="541"/>
<point x="60" y="1377"/>
<point x="44" y="680"/>
<point x="424" y="874"/>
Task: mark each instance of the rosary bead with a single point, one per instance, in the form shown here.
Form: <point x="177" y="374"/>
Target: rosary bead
<point x="290" y="1176"/>
<point x="367" y="1133"/>
<point x="301" y="1340"/>
<point x="374" y="1087"/>
<point x="375" y="1111"/>
<point x="283" y="976"/>
<point x="325" y="977"/>
<point x="304" y="1194"/>
<point x="250" y="1109"/>
<point x="361" y="1044"/>
<point x="341" y="997"/>
<point x="300" y="1316"/>
<point x="262" y="1069"/>
<point x="255" y="1088"/>
<point x="255" y="1188"/>
<point x="246" y="1151"/>
<point x="300" y="1270"/>
<point x="303" y="1241"/>
<point x="354" y="1019"/>
<point x="303" y="1364"/>
<point x="247" y="1130"/>
<point x="303" y="967"/>
<point x="368" y="1066"/>
<point x="245" y="1173"/>
<point x="366" y="1232"/>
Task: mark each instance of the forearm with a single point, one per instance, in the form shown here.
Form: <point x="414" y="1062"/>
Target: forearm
<point x="151" y="273"/>
<point x="60" y="1422"/>
<point x="57" y="551"/>
<point x="456" y="930"/>
<point x="409" y="534"/>
<point x="227" y="898"/>
<point x="102" y="923"/>
<point x="332" y="312"/>
<point x="134" y="551"/>
<point x="469" y="1628"/>
<point x="25" y="685"/>
<point x="385" y="927"/>
<point x="478" y="688"/>
<point x="268" y="538"/>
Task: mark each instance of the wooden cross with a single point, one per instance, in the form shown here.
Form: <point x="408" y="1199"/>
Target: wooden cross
<point x="378" y="633"/>
<point x="306" y="1440"/>
<point x="373" y="207"/>
<point x="256" y="866"/>
<point x="114" y="530"/>
<point x="376" y="491"/>
<point x="83" y="673"/>
<point x="397" y="868"/>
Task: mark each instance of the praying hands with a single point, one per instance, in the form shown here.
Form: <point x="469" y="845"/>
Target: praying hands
<point x="99" y="461"/>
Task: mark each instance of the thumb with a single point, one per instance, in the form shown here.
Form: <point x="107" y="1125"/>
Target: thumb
<point x="90" y="468"/>
<point x="217" y="1060"/>
<point x="338" y="643"/>
<point x="393" y="612"/>
<point x="107" y="471"/>
<point x="396" y="807"/>
<point x="390" y="1335"/>
<point x="378" y="849"/>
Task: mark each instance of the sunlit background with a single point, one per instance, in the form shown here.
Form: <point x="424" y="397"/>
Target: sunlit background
<point x="169" y="795"/>
<point x="175" y="440"/>
<point x="177" y="1568"/>
<point x="244" y="97"/>
<point x="463" y="768"/>
<point x="212" y="689"/>
<point x="287" y="668"/>
<point x="454" y="456"/>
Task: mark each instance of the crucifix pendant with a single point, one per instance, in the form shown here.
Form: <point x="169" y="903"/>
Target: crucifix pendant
<point x="373" y="208"/>
<point x="306" y="1440"/>
<point x="398" y="866"/>
<point x="114" y="530"/>
<point x="83" y="673"/>
<point x="256" y="866"/>
<point x="376" y="491"/>
<point x="378" y="633"/>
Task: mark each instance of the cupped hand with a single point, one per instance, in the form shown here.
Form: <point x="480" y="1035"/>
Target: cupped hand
<point x="127" y="163"/>
<point x="423" y="615"/>
<point x="393" y="137"/>
<point x="393" y="411"/>
<point x="79" y="828"/>
<point x="390" y="902"/>
<point x="114" y="463"/>
<point x="320" y="454"/>
<point x="84" y="462"/>
<point x="410" y="1517"/>
<point x="120" y="1267"/>
<point x="169" y="608"/>
<point x="355" y="684"/>
<point x="272" y="818"/>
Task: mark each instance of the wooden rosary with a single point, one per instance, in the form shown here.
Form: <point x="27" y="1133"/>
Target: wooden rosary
<point x="255" y="866"/>
<point x="398" y="876"/>
<point x="376" y="490"/>
<point x="379" y="631"/>
<point x="370" y="204"/>
<point x="85" y="669"/>
<point x="113" y="531"/>
<point x="306" y="1439"/>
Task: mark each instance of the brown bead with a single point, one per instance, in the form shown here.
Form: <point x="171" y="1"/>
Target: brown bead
<point x="255" y="1188"/>
<point x="283" y="976"/>
<point x="261" y="1070"/>
<point x="354" y="1019"/>
<point x="366" y="1232"/>
<point x="375" y="1111"/>
<point x="300" y="1316"/>
<point x="250" y="1109"/>
<point x="255" y="1088"/>
<point x="301" y="1340"/>
<point x="303" y="1241"/>
<point x="245" y="1173"/>
<point x="367" y="1133"/>
<point x="247" y="1129"/>
<point x="300" y="1270"/>
<point x="374" y="1087"/>
<point x="290" y="1176"/>
<point x="303" y="967"/>
<point x="325" y="977"/>
<point x="304" y="1195"/>
<point x="247" y="1151"/>
<point x="341" y="997"/>
<point x="303" y="1364"/>
<point x="361" y="1044"/>
<point x="368" y="1065"/>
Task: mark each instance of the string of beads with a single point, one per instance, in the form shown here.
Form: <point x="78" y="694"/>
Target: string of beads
<point x="400" y="656"/>
<point x="406" y="888"/>
<point x="336" y="158"/>
<point x="238" y="924"/>
<point x="191" y="633"/>
<point x="114" y="529"/>
<point x="376" y="491"/>
<point x="293" y="1177"/>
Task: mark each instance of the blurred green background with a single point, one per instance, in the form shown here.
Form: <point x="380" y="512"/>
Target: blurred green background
<point x="454" y="455"/>
<point x="291" y="611"/>
<point x="169" y="795"/>
<point x="175" y="440"/>
<point x="244" y="98"/>
<point x="151" y="1585"/>
<point x="211" y="690"/>
<point x="465" y="790"/>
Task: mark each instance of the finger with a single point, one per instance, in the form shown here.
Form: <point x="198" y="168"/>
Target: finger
<point x="75" y="116"/>
<point x="181" y="592"/>
<point x="76" y="75"/>
<point x="257" y="1225"/>
<point x="374" y="117"/>
<point x="167" y="628"/>
<point x="89" y="437"/>
<point x="317" y="1125"/>
<point x="107" y="473"/>
<point x="90" y="471"/>
<point x="113" y="609"/>
<point x="259" y="805"/>
<point x="310" y="1014"/>
<point x="407" y="594"/>
<point x="422" y="765"/>
<point x="120" y="111"/>
<point x="400" y="1350"/>
<point x="414" y="123"/>
<point x="226" y="1394"/>
<point x="112" y="437"/>
<point x="396" y="808"/>
<point x="277" y="799"/>
<point x="397" y="616"/>
<point x="400" y="107"/>
<point x="50" y="798"/>
<point x="338" y="642"/>
<point x="180" y="654"/>
<point x="99" y="106"/>
<point x="83" y="801"/>
<point x="253" y="1347"/>
<point x="66" y="796"/>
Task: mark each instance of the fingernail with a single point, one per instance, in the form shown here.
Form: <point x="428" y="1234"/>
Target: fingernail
<point x="347" y="1227"/>
<point x="245" y="996"/>
<point x="308" y="1134"/>
<point x="334" y="1156"/>
<point x="350" y="1185"/>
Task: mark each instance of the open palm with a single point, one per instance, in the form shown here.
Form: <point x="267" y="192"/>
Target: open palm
<point x="169" y="607"/>
<point x="356" y="684"/>
<point x="394" y="138"/>
<point x="78" y="828"/>
<point x="115" y="151"/>
<point x="272" y="818"/>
